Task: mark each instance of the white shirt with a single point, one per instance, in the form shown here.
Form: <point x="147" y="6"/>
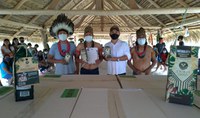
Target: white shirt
<point x="119" y="49"/>
<point x="7" y="51"/>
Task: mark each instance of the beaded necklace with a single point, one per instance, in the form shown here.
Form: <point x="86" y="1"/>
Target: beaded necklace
<point x="63" y="53"/>
<point x="140" y="54"/>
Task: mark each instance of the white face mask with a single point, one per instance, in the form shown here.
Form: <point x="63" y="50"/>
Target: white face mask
<point x="164" y="51"/>
<point x="62" y="37"/>
<point x="45" y="52"/>
<point x="88" y="38"/>
<point x="141" y="41"/>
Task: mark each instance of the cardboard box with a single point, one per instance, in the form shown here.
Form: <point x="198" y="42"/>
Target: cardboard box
<point x="118" y="103"/>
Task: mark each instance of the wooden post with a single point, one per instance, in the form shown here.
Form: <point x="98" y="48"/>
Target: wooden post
<point x="44" y="38"/>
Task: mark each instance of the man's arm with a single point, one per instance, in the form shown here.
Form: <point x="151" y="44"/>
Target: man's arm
<point x="52" y="60"/>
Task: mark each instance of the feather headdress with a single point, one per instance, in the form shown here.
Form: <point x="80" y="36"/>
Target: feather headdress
<point x="61" y="23"/>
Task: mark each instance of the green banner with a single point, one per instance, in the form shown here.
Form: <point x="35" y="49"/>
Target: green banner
<point x="70" y="93"/>
<point x="52" y="76"/>
<point x="4" y="90"/>
<point x="182" y="74"/>
<point x="26" y="71"/>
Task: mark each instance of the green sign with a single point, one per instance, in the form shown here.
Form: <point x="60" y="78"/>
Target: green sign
<point x="4" y="90"/>
<point x="52" y="76"/>
<point x="182" y="74"/>
<point x="70" y="93"/>
<point x="26" y="71"/>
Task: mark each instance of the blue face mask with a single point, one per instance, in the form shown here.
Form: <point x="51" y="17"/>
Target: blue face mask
<point x="88" y="38"/>
<point x="141" y="41"/>
<point x="62" y="37"/>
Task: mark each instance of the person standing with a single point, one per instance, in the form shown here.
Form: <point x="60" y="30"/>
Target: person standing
<point x="180" y="39"/>
<point x="93" y="51"/>
<point x="142" y="55"/>
<point x="6" y="71"/>
<point x="15" y="43"/>
<point x="62" y="53"/>
<point x="160" y="46"/>
<point x="120" y="53"/>
<point x="7" y="48"/>
<point x="21" y="39"/>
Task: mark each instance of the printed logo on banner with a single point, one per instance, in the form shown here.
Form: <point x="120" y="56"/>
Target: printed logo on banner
<point x="182" y="74"/>
<point x="26" y="71"/>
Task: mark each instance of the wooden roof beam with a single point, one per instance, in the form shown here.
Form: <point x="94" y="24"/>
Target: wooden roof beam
<point x="16" y="7"/>
<point x="138" y="15"/>
<point x="53" y="4"/>
<point x="185" y="5"/>
<point x="83" y="17"/>
<point x="88" y="20"/>
<point x="130" y="25"/>
<point x="187" y="22"/>
<point x="132" y="4"/>
<point x="153" y="17"/>
<point x="36" y="17"/>
<point x="146" y="27"/>
<point x="157" y="20"/>
<point x="157" y="6"/>
<point x="117" y="21"/>
<point x="99" y="6"/>
<point x="8" y="22"/>
<point x="53" y="17"/>
<point x="102" y="12"/>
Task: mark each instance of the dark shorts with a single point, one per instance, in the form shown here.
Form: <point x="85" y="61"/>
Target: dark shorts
<point x="89" y="72"/>
<point x="159" y="59"/>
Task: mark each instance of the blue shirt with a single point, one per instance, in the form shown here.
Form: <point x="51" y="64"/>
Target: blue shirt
<point x="4" y="74"/>
<point x="160" y="47"/>
<point x="62" y="69"/>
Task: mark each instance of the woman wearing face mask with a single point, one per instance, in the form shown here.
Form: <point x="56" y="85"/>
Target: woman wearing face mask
<point x="120" y="53"/>
<point x="62" y="52"/>
<point x="15" y="43"/>
<point x="6" y="71"/>
<point x="142" y="55"/>
<point x="7" y="48"/>
<point x="93" y="53"/>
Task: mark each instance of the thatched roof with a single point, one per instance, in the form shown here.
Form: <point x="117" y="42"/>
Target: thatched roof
<point x="27" y="17"/>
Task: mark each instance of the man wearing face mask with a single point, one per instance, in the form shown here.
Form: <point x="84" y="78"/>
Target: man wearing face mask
<point x="21" y="39"/>
<point x="142" y="55"/>
<point x="93" y="51"/>
<point x="62" y="53"/>
<point x="120" y="53"/>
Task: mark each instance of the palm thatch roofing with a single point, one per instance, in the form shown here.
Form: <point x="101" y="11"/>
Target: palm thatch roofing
<point x="32" y="18"/>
